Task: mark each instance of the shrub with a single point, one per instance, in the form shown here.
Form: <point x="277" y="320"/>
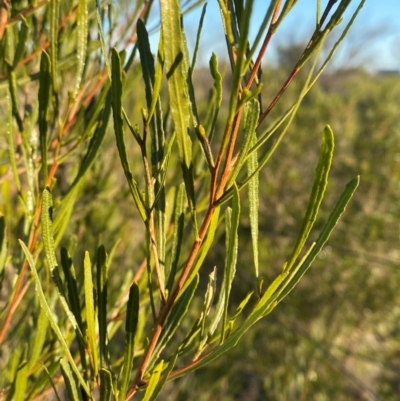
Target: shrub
<point x="118" y="238"/>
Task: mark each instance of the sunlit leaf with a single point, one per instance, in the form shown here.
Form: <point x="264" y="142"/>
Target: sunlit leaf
<point x="90" y="314"/>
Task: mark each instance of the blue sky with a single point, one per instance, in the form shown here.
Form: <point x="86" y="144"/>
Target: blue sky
<point x="374" y="40"/>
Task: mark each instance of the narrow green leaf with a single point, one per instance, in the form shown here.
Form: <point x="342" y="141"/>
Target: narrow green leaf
<point x="208" y="300"/>
<point x="326" y="231"/>
<point x="65" y="209"/>
<point x="90" y="314"/>
<point x="82" y="32"/>
<point x="164" y="378"/>
<point x="23" y="36"/>
<point x="70" y="381"/>
<point x="3" y="247"/>
<point x="232" y="226"/>
<point x="205" y="146"/>
<point x="205" y="247"/>
<point x="40" y="337"/>
<point x="116" y="89"/>
<point x="179" y="222"/>
<point x="105" y="385"/>
<point x="251" y="114"/>
<point x="44" y="101"/>
<point x="47" y="229"/>
<point x="286" y="8"/>
<point x="183" y="108"/>
<point x="54" y="17"/>
<point x="196" y="47"/>
<point x="146" y="60"/>
<point x="154" y="379"/>
<point x="157" y="79"/>
<point x="102" y="285"/>
<point x="49" y="378"/>
<point x="317" y="194"/>
<point x="21" y="382"/>
<point x="253" y="193"/>
<point x="241" y="306"/>
<point x="52" y="320"/>
<point x="177" y="76"/>
<point x="239" y="62"/>
<point x="132" y="316"/>
<point x="72" y="286"/>
<point x="178" y="311"/>
<point x="10" y="142"/>
<point x="74" y="302"/>
<point x="102" y="41"/>
<point x="157" y="143"/>
<point x="46" y="219"/>
<point x="12" y="86"/>
<point x="218" y="90"/>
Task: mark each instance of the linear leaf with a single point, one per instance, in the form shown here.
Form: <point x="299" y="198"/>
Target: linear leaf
<point x="157" y="142"/>
<point x="205" y="246"/>
<point x="90" y="314"/>
<point x="132" y="316"/>
<point x="21" y="382"/>
<point x="65" y="209"/>
<point x="208" y="300"/>
<point x="232" y="226"/>
<point x="164" y="378"/>
<point x="218" y="90"/>
<point x="69" y="380"/>
<point x="239" y="62"/>
<point x="102" y="41"/>
<point x="44" y="101"/>
<point x="272" y="296"/>
<point x="12" y="86"/>
<point x="3" y="247"/>
<point x="251" y="114"/>
<point x="102" y="284"/>
<point x="154" y="379"/>
<point x="196" y="47"/>
<point x="48" y="244"/>
<point x="72" y="286"/>
<point x="23" y="35"/>
<point x="74" y="302"/>
<point x="52" y="320"/>
<point x="10" y="141"/>
<point x="47" y="229"/>
<point x="177" y="77"/>
<point x="49" y="378"/>
<point x="179" y="222"/>
<point x="317" y="194"/>
<point x="40" y="337"/>
<point x="326" y="231"/>
<point x="82" y="32"/>
<point x="105" y="385"/>
<point x="178" y="311"/>
<point x="116" y="89"/>
<point x="253" y="193"/>
<point x="157" y="79"/>
<point x="54" y="12"/>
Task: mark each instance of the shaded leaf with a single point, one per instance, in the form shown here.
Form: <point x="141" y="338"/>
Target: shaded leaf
<point x="70" y="381"/>
<point x="131" y="323"/>
<point x="44" y="101"/>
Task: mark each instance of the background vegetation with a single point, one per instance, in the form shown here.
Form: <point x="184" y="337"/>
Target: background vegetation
<point x="334" y="337"/>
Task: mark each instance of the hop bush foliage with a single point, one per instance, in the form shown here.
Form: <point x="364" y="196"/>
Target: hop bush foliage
<point x="122" y="189"/>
